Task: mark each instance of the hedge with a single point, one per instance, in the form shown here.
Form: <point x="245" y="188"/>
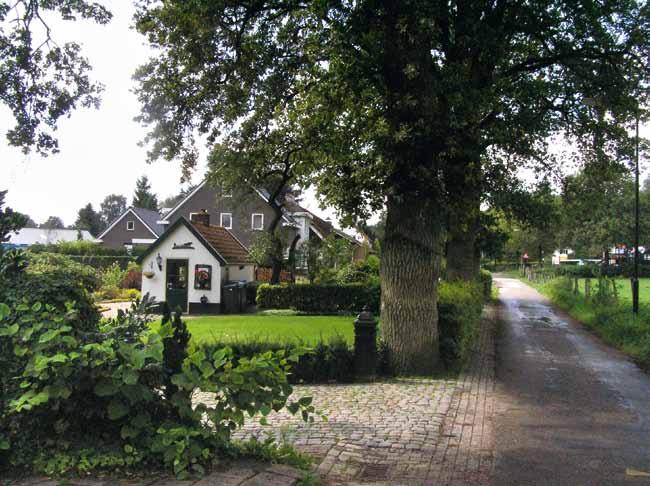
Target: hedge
<point x="459" y="314"/>
<point x="331" y="361"/>
<point x="318" y="298"/>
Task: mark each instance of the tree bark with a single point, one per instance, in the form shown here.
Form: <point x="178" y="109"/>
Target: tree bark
<point x="410" y="266"/>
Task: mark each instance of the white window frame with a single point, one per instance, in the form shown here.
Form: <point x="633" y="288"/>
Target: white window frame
<point x="131" y="224"/>
<point x="253" y="221"/>
<point x="221" y="220"/>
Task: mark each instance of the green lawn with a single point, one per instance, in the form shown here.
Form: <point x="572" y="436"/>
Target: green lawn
<point x="306" y="329"/>
<point x="624" y="289"/>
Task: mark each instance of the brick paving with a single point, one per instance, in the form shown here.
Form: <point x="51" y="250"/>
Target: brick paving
<point x="403" y="431"/>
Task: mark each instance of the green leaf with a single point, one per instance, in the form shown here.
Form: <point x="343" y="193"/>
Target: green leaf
<point x="40" y="397"/>
<point x="9" y="330"/>
<point x="105" y="388"/>
<point x="265" y="410"/>
<point x="59" y="358"/>
<point x="4" y="311"/>
<point x="305" y="401"/>
<point x="48" y="336"/>
<point x="127" y="432"/>
<point x="37" y="307"/>
<point x="4" y="444"/>
<point x="117" y="409"/>
<point x="130" y="377"/>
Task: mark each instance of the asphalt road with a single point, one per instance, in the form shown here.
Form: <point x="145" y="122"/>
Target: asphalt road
<point x="572" y="410"/>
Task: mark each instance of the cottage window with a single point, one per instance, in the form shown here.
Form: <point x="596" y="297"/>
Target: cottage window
<point x="257" y="221"/>
<point x="226" y="220"/>
<point x="203" y="277"/>
<point x="130" y="225"/>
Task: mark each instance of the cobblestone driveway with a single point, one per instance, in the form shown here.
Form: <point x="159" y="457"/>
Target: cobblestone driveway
<point x="406" y="431"/>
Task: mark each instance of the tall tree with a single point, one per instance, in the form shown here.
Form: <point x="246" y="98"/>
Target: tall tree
<point x="143" y="196"/>
<point x="53" y="222"/>
<point x="89" y="219"/>
<point x="111" y="207"/>
<point x="410" y="98"/>
<point x="42" y="80"/>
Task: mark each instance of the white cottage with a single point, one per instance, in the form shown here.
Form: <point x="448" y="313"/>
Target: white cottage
<point x="190" y="262"/>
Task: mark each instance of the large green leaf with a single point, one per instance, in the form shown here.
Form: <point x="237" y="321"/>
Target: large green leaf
<point x="117" y="409"/>
<point x="105" y="388"/>
<point x="4" y="310"/>
<point x="9" y="330"/>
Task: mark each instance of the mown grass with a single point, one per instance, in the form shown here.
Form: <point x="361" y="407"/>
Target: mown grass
<point x="275" y="328"/>
<point x="613" y="321"/>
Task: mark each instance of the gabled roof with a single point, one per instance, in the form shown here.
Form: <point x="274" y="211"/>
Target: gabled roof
<point x="150" y="218"/>
<point x="225" y="243"/>
<point x="147" y="217"/>
<point x="217" y="240"/>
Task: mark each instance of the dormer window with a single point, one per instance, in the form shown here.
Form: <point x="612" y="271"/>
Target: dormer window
<point x="226" y="220"/>
<point x="257" y="221"/>
<point x="130" y="225"/>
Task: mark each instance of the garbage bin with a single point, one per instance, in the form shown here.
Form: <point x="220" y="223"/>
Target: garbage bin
<point x="234" y="298"/>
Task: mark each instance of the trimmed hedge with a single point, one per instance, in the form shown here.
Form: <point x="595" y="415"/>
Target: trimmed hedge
<point x="331" y="361"/>
<point x="318" y="298"/>
<point x="459" y="314"/>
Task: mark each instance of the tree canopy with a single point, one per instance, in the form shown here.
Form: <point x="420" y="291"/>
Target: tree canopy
<point x="111" y="207"/>
<point x="144" y="197"/>
<point x="89" y="219"/>
<point x="53" y="222"/>
<point x="42" y="80"/>
<point x="406" y="102"/>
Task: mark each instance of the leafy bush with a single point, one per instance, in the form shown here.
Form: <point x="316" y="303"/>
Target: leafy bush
<point x="112" y="276"/>
<point x="132" y="278"/>
<point x="55" y="279"/>
<point x="325" y="362"/>
<point x="366" y="272"/>
<point x="317" y="298"/>
<point x="58" y="379"/>
<point x="485" y="278"/>
<point x="459" y="313"/>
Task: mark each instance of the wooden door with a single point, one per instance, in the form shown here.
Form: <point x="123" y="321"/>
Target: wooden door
<point x="176" y="284"/>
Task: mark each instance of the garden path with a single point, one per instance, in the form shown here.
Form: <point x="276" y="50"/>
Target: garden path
<point x="400" y="432"/>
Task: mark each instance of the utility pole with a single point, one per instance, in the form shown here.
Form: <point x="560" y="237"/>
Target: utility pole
<point x="635" y="279"/>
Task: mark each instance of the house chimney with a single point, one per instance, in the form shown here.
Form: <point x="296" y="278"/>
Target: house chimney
<point x="202" y="217"/>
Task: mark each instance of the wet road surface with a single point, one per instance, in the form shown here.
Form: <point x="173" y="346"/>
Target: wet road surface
<point x="573" y="411"/>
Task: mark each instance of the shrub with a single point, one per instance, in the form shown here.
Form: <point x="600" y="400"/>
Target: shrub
<point x="360" y="272"/>
<point x="485" y="278"/>
<point x="459" y="313"/>
<point x="325" y="362"/>
<point x="55" y="279"/>
<point x="132" y="278"/>
<point x="112" y="276"/>
<point x="58" y="379"/>
<point x="316" y="298"/>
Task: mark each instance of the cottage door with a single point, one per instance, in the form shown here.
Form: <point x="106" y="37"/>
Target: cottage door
<point x="176" y="284"/>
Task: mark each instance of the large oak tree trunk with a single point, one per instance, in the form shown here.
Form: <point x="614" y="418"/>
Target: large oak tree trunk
<point x="409" y="283"/>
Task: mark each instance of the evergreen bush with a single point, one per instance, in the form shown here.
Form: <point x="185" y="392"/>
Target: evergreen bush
<point x="317" y="298"/>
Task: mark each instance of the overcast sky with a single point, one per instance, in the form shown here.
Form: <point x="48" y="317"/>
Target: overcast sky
<point x="99" y="148"/>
